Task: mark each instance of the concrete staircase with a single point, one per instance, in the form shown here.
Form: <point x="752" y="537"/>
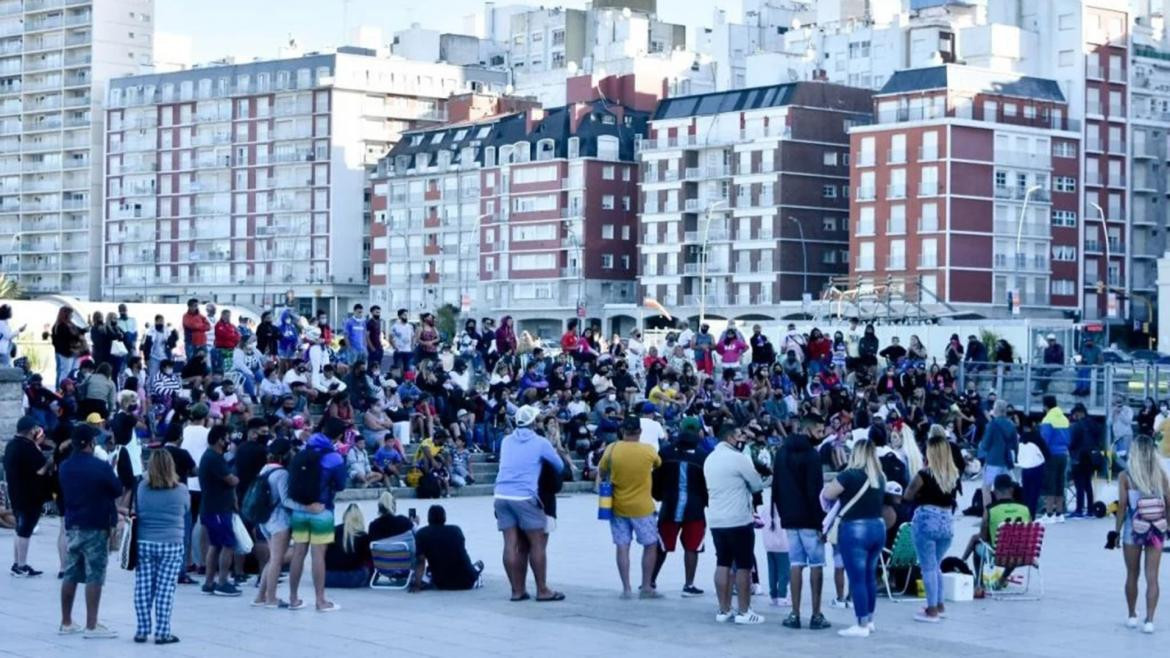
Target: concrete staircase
<point x="484" y="473"/>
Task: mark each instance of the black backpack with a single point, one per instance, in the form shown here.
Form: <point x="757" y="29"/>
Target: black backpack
<point x="304" y="476"/>
<point x="257" y="506"/>
<point x="428" y="486"/>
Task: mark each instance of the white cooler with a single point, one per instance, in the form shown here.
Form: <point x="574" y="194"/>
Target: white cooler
<point x="958" y="587"/>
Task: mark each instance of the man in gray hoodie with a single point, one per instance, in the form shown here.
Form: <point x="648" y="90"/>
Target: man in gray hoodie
<point x="731" y="481"/>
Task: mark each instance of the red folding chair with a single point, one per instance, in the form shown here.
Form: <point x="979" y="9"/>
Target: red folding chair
<point x="1018" y="546"/>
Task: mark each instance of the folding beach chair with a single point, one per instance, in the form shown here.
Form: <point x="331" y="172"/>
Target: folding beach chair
<point x="1018" y="546"/>
<point x="394" y="562"/>
<point x="901" y="556"/>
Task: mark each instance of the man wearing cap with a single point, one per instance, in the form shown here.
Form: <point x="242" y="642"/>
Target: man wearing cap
<point x="25" y="468"/>
<point x="651" y="431"/>
<point x="90" y="488"/>
<point x="731" y="481"/>
<point x="1086" y="449"/>
<point x="1053" y="356"/>
<point x="680" y="486"/>
<point x="517" y="505"/>
<point x="1091" y="357"/>
<point x="629" y="464"/>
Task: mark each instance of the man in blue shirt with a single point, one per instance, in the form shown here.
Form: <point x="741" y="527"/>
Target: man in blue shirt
<point x="89" y="488"/>
<point x="355" y="335"/>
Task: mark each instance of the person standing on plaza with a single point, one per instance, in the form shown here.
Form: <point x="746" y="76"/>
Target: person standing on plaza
<point x="195" y="328"/>
<point x="731" y="482"/>
<point x="26" y="470"/>
<point x="402" y="340"/>
<point x="90" y="488"/>
<point x="8" y="336"/>
<point x="374" y="348"/>
<point x="629" y="465"/>
<point x="1144" y="493"/>
<point x="162" y="507"/>
<point x="157" y="346"/>
<point x="680" y="486"/>
<point x="218" y="504"/>
<point x="998" y="447"/>
<point x="68" y="342"/>
<point x="267" y="335"/>
<point x="933" y="489"/>
<point x="194" y="442"/>
<point x="227" y="337"/>
<point x="355" y="334"/>
<point x="517" y="505"/>
<point x="1086" y="449"/>
<point x="797" y="479"/>
<point x="276" y="529"/>
<point x="316" y="474"/>
<point x="861" y="490"/>
<point x="1056" y="432"/>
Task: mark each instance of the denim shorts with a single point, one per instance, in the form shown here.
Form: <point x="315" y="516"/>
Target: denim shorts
<point x="624" y="529"/>
<point x="991" y="472"/>
<point x="805" y="548"/>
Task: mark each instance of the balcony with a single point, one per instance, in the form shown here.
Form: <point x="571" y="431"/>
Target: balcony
<point x="896" y="191"/>
<point x="866" y="194"/>
<point x="712" y="268"/>
<point x="896" y="157"/>
<point x="715" y="234"/>
<point x="926" y="154"/>
<point x="928" y="188"/>
<point x="711" y="299"/>
<point x="866" y="159"/>
<point x="1017" y="192"/>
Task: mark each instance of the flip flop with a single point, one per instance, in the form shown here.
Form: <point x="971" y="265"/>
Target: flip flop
<point x="296" y="606"/>
<point x="522" y="597"/>
<point x="556" y="596"/>
<point x="279" y="605"/>
<point x="333" y="607"/>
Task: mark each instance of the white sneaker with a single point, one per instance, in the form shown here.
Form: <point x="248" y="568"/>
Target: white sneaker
<point x="722" y="617"/>
<point x="840" y="604"/>
<point x="781" y="603"/>
<point x="749" y="617"/>
<point x="1059" y="518"/>
<point x="1148" y="627"/>
<point x="871" y="627"/>
<point x="925" y="618"/>
<point x="1132" y="622"/>
<point x="74" y="629"/>
<point x="100" y="632"/>
<point x="854" y="631"/>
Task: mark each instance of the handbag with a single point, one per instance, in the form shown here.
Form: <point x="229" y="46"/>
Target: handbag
<point x="243" y="539"/>
<point x="833" y="521"/>
<point x="118" y="349"/>
<point x="128" y="544"/>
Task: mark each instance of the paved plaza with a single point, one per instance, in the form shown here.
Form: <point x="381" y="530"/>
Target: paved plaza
<point x="1081" y="613"/>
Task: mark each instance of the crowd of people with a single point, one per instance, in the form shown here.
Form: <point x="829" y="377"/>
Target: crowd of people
<point x="228" y="443"/>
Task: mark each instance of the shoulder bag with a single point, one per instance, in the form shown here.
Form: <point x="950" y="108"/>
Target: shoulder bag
<point x="833" y="520"/>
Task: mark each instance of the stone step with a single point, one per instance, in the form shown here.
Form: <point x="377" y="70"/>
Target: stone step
<point x="478" y="489"/>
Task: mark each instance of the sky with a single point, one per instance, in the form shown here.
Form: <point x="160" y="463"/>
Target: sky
<point x="258" y="28"/>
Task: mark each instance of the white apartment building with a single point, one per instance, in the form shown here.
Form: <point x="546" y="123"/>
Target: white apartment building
<point x="245" y="182"/>
<point x="56" y="57"/>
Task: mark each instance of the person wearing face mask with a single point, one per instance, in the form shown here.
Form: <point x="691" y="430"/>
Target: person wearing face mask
<point x="167" y="383"/>
<point x="731" y="482"/>
<point x="271" y="387"/>
<point x="158" y="345"/>
<point x="247" y="362"/>
<point x="704" y="343"/>
<point x="127" y="455"/>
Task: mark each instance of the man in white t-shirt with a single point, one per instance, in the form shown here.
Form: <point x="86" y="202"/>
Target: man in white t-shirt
<point x="652" y="432"/>
<point x="195" y="443"/>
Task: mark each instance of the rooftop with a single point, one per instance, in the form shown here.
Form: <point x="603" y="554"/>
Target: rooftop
<point x="816" y="94"/>
<point x="972" y="79"/>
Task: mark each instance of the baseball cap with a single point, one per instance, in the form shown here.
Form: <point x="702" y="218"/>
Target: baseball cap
<point x="649" y="409"/>
<point x="690" y="424"/>
<point x="893" y="488"/>
<point x="26" y="424"/>
<point x="526" y="415"/>
<point x="1050" y="337"/>
<point x="631" y="425"/>
<point x="84" y="436"/>
<point x="278" y="447"/>
<point x="94" y="418"/>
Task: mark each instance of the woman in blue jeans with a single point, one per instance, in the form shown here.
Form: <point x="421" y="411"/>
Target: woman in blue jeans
<point x="934" y="489"/>
<point x="860" y="489"/>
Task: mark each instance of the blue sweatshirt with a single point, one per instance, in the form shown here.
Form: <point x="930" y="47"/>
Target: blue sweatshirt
<point x="1054" y="429"/>
<point x="521" y="454"/>
<point x="332" y="469"/>
<point x="90" y="488"/>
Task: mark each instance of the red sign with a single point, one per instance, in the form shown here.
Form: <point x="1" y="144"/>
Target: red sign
<point x="580" y="310"/>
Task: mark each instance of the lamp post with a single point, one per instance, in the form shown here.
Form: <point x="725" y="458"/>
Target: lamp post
<point x="576" y="243"/>
<point x="803" y="251"/>
<point x="1020" y="235"/>
<point x="703" y="261"/>
<point x="462" y="270"/>
<point x="1105" y="230"/>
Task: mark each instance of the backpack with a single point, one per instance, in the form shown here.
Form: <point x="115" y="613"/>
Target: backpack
<point x="257" y="506"/>
<point x="428" y="486"/>
<point x="304" y="476"/>
<point x="1149" y="521"/>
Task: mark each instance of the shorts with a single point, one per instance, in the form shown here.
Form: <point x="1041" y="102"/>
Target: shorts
<point x="1055" y="475"/>
<point x="196" y="498"/>
<point x="524" y="514"/>
<point x="992" y="472"/>
<point x="805" y="548"/>
<point x="734" y="547"/>
<point x="626" y="528"/>
<point x="220" y="533"/>
<point x="86" y="555"/>
<point x="313" y="529"/>
<point x="26" y="521"/>
<point x="693" y="533"/>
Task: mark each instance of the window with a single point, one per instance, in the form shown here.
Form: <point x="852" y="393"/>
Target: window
<point x="897" y="255"/>
<point x="1065" y="184"/>
<point x="1064" y="150"/>
<point x="867" y="151"/>
<point x="1066" y="218"/>
<point x="829" y="224"/>
<point x="1065" y="58"/>
<point x="865" y="221"/>
<point x="607" y="261"/>
<point x="489" y="264"/>
<point x="607" y="202"/>
<point x="626" y="203"/>
<point x="829" y="191"/>
<point x="928" y="253"/>
<point x="525" y="232"/>
<point x="607" y="172"/>
<point x="539" y="203"/>
<point x="626" y="173"/>
<point x="1064" y="287"/>
<point x="625" y="261"/>
<point x="897" y="225"/>
<point x="865" y="256"/>
<point x="929" y="145"/>
<point x="830" y="158"/>
<point x="1066" y="21"/>
<point x="607" y="231"/>
<point x="534" y="262"/>
<point x="829" y="257"/>
<point x="542" y="174"/>
<point x="1009" y="109"/>
<point x="1064" y="254"/>
<point x="897" y="149"/>
<point x="929" y="219"/>
<point x="1001" y="179"/>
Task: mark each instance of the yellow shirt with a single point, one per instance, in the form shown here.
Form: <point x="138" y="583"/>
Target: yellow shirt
<point x="629" y="465"/>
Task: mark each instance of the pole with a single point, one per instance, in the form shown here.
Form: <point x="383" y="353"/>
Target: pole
<point x="1019" y="239"/>
<point x="703" y="262"/>
<point x="463" y="270"/>
<point x="1105" y="230"/>
<point x="803" y="251"/>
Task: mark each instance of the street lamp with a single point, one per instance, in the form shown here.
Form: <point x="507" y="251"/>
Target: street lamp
<point x="1020" y="236"/>
<point x="803" y="251"/>
<point x="1105" y="229"/>
<point x="462" y="270"/>
<point x="703" y="262"/>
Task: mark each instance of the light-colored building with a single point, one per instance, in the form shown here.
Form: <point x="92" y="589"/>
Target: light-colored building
<point x="56" y="57"/>
<point x="421" y="44"/>
<point x="246" y="182"/>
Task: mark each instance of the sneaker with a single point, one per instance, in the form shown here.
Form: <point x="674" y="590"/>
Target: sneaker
<point x="1044" y="520"/>
<point x="755" y="589"/>
<point x="184" y="579"/>
<point x="17" y="571"/>
<point x="100" y="632"/>
<point x="840" y="604"/>
<point x="854" y="631"/>
<point x="1132" y="622"/>
<point x="871" y="627"/>
<point x="750" y="617"/>
<point x="791" y="621"/>
<point x="724" y="616"/>
<point x="1147" y="627"/>
<point x="227" y="589"/>
<point x="74" y="629"/>
<point x="208" y="588"/>
<point x="691" y="591"/>
<point x="925" y="618"/>
<point x="818" y="623"/>
<point x="1059" y="519"/>
<point x="29" y="572"/>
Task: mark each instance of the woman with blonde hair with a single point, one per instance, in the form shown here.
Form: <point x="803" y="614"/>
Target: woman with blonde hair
<point x="389" y="523"/>
<point x="933" y="489"/>
<point x="348" y="562"/>
<point x="162" y="505"/>
<point x="860" y="488"/>
<point x="1144" y="490"/>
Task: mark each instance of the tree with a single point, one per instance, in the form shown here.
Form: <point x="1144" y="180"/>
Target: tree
<point x="445" y="320"/>
<point x="9" y="288"/>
